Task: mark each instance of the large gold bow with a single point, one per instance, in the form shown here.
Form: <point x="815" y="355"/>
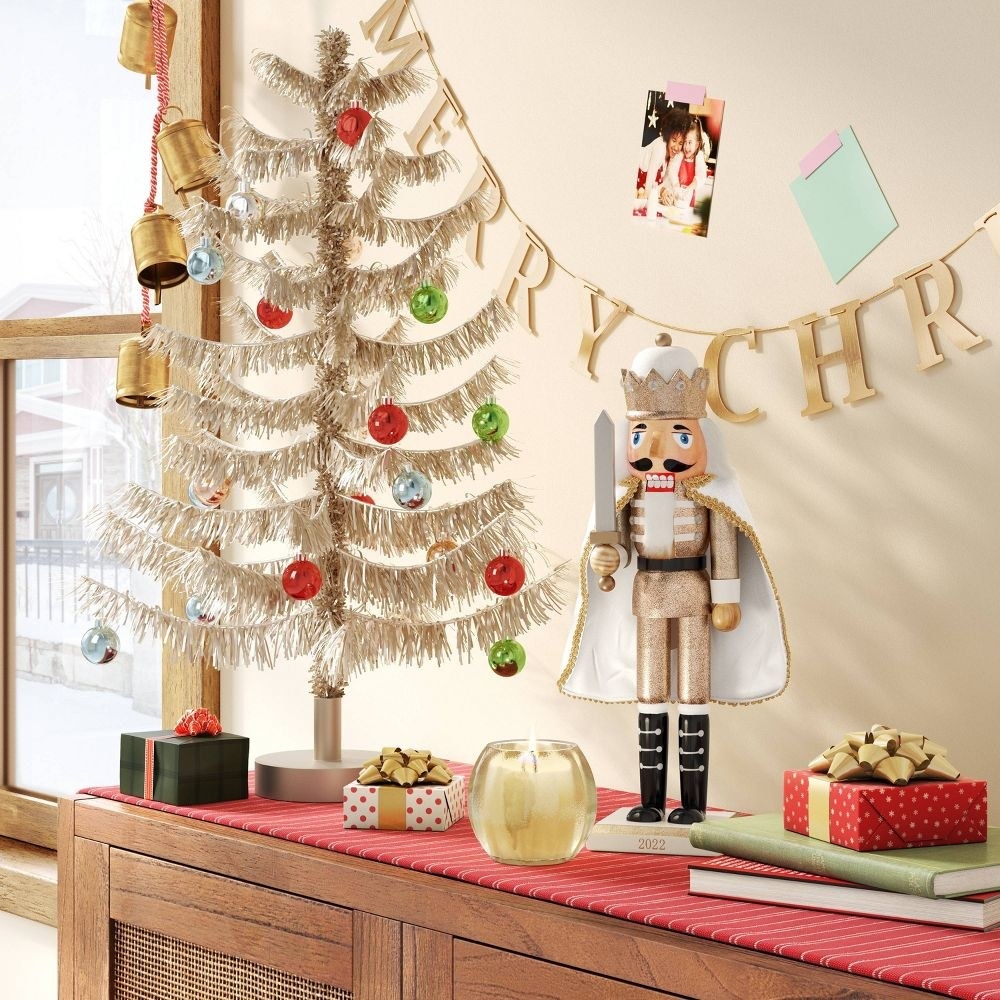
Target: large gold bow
<point x="405" y="768"/>
<point x="887" y="754"/>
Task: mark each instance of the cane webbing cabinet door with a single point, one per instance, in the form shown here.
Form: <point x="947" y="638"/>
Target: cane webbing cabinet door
<point x="153" y="906"/>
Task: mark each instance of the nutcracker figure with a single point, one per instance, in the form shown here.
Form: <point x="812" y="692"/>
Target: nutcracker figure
<point x="677" y="602"/>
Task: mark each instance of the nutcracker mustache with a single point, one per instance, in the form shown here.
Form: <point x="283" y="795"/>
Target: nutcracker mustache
<point x="670" y="464"/>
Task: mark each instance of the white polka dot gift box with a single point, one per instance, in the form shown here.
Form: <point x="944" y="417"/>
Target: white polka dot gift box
<point x="404" y="790"/>
<point x="389" y="807"/>
<point x="885" y="789"/>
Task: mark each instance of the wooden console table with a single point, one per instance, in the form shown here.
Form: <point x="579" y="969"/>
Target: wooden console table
<point x="159" y="907"/>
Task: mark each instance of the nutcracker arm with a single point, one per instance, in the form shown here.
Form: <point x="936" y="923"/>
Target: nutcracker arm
<point x="725" y="596"/>
<point x="619" y="539"/>
<point x="608" y="554"/>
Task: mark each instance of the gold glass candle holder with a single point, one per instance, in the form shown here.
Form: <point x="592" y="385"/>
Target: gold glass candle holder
<point x="532" y="802"/>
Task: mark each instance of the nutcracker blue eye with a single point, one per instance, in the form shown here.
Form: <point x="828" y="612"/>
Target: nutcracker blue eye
<point x="636" y="438"/>
<point x="684" y="439"/>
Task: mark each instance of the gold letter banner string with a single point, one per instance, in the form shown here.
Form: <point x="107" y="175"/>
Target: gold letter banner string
<point x="530" y="261"/>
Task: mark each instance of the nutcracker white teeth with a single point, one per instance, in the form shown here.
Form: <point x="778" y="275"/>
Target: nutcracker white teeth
<point x="658" y="482"/>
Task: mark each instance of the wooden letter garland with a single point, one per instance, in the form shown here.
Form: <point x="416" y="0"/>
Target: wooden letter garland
<point x="921" y="320"/>
<point x="483" y="175"/>
<point x="386" y="19"/>
<point x="849" y="354"/>
<point x="527" y="269"/>
<point x="593" y="328"/>
<point x="530" y="263"/>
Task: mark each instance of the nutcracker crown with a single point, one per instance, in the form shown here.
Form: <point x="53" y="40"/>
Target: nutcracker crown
<point x="654" y="396"/>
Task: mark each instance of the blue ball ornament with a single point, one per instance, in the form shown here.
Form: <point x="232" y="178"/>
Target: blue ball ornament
<point x="197" y="611"/>
<point x="205" y="264"/>
<point x="100" y="644"/>
<point x="242" y="205"/>
<point x="411" y="489"/>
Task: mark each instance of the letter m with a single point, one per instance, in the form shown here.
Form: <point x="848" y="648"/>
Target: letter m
<point x="386" y="20"/>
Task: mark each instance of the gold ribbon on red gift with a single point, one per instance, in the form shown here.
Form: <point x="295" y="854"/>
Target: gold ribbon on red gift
<point x="403" y="768"/>
<point x="880" y="753"/>
<point x="884" y="754"/>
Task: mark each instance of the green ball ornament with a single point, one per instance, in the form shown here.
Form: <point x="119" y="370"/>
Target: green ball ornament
<point x="490" y="422"/>
<point x="507" y="657"/>
<point x="428" y="304"/>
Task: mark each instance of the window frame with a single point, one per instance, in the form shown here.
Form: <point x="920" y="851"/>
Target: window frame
<point x="194" y="76"/>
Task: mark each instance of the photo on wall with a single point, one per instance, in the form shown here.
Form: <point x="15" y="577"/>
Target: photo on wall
<point x="678" y="159"/>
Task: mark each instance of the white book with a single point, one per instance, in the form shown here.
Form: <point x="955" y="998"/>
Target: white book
<point x="752" y="881"/>
<point x="615" y="833"/>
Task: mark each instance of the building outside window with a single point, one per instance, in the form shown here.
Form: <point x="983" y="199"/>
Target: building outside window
<point x="75" y="163"/>
<point x="72" y="453"/>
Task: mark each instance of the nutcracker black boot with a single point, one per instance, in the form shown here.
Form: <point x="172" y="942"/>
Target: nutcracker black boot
<point x="692" y="737"/>
<point x="653" y="729"/>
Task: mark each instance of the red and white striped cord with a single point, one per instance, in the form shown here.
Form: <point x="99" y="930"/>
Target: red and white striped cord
<point x="162" y="103"/>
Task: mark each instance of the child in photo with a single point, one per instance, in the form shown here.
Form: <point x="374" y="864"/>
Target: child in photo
<point x="688" y="170"/>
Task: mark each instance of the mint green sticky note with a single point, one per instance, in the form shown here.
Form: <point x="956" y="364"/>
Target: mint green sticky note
<point x="844" y="207"/>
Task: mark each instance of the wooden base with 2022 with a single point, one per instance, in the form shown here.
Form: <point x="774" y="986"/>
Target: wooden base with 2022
<point x="368" y="930"/>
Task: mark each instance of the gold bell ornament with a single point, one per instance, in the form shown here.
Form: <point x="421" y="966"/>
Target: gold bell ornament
<point x="136" y="50"/>
<point x="143" y="377"/>
<point x="188" y="154"/>
<point x="159" y="250"/>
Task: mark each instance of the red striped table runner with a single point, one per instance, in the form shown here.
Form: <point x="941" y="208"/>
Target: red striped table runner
<point x="646" y="889"/>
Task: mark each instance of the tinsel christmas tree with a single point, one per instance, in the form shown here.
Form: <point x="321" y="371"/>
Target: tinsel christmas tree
<point x="402" y="579"/>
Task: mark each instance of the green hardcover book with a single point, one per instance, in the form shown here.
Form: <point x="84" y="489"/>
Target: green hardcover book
<point x="950" y="870"/>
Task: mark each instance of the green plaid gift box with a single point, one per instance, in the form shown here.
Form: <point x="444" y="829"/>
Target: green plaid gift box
<point x="184" y="770"/>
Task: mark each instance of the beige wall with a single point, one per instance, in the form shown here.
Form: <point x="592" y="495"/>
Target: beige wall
<point x="879" y="519"/>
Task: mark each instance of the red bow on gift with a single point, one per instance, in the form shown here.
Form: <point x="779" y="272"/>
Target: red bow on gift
<point x="198" y="722"/>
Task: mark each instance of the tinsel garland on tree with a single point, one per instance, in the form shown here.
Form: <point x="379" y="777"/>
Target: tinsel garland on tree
<point x="370" y="608"/>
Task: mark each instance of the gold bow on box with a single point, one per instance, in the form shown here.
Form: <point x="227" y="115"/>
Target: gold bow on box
<point x="404" y="768"/>
<point x="886" y="754"/>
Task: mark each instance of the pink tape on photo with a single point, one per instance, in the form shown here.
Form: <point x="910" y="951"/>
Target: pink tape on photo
<point x="686" y="93"/>
<point x="820" y="154"/>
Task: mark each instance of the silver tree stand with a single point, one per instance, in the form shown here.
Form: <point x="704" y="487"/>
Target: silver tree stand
<point x="317" y="774"/>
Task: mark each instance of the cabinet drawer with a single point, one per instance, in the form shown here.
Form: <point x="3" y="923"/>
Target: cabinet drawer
<point x="303" y="937"/>
<point x="489" y="974"/>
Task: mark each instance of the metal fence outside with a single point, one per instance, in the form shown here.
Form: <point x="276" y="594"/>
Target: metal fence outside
<point x="47" y="571"/>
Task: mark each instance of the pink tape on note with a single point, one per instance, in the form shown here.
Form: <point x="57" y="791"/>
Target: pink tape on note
<point x="820" y="154"/>
<point x="686" y="93"/>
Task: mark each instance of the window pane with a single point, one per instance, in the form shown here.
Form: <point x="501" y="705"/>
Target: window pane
<point x="71" y="201"/>
<point x="72" y="452"/>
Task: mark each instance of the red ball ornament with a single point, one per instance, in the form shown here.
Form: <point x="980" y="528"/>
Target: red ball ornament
<point x="504" y="575"/>
<point x="301" y="580"/>
<point x="352" y="124"/>
<point x="363" y="497"/>
<point x="272" y="316"/>
<point x="388" y="423"/>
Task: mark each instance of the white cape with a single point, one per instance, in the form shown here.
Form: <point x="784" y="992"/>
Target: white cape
<point x="749" y="664"/>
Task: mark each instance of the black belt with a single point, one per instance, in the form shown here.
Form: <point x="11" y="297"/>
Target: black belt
<point x="672" y="565"/>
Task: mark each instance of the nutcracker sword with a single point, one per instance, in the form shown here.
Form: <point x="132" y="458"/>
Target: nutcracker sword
<point x="605" y="520"/>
